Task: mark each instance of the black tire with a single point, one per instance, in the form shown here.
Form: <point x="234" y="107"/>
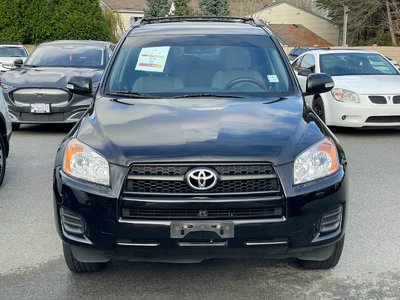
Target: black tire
<point x="318" y="107"/>
<point x="2" y="158"/>
<point x="15" y="126"/>
<point x="324" y="264"/>
<point x="77" y="266"/>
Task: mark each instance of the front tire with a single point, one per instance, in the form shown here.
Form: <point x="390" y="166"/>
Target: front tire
<point x="318" y="107"/>
<point x="77" y="266"/>
<point x="329" y="263"/>
<point x="2" y="158"/>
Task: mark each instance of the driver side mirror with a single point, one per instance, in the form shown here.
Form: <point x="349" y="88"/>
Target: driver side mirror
<point x="80" y="85"/>
<point x="319" y="83"/>
<point x="18" y="63"/>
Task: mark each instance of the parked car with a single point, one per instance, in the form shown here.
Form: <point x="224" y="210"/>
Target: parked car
<point x="5" y="135"/>
<point x="199" y="145"/>
<point x="36" y="92"/>
<point x="367" y="87"/>
<point x="297" y="51"/>
<point x="10" y="52"/>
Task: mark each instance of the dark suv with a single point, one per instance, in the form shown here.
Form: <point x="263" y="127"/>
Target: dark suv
<point x="36" y="91"/>
<point x="199" y="145"/>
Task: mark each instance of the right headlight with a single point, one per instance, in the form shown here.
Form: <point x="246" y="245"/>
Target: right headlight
<point x="81" y="161"/>
<point x="320" y="160"/>
<point x="343" y="95"/>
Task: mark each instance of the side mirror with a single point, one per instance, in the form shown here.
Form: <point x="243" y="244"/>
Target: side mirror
<point x="319" y="83"/>
<point x="304" y="72"/>
<point x="18" y="63"/>
<point x="80" y="85"/>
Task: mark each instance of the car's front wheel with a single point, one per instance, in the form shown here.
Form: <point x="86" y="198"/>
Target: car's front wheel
<point x="79" y="267"/>
<point x="329" y="263"/>
<point x="318" y="107"/>
<point x="2" y="158"/>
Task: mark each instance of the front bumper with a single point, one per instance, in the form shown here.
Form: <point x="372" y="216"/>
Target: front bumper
<point x="107" y="235"/>
<point x="363" y="114"/>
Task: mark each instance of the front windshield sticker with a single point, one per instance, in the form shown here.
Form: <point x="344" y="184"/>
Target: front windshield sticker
<point x="272" y="78"/>
<point x="152" y="59"/>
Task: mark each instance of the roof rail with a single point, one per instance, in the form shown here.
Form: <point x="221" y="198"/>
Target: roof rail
<point x="146" y="21"/>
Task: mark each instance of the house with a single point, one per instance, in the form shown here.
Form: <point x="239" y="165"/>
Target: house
<point x="128" y="10"/>
<point x="286" y="13"/>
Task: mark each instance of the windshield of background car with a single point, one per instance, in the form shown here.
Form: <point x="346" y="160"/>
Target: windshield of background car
<point x="77" y="56"/>
<point x="171" y="66"/>
<point x="340" y="64"/>
<point x="12" y="52"/>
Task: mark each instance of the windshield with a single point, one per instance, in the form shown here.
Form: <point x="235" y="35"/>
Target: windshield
<point x="12" y="52"/>
<point x="72" y="55"/>
<point x="339" y="64"/>
<point x="174" y="66"/>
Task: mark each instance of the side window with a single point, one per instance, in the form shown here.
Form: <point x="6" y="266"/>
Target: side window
<point x="308" y="62"/>
<point x="296" y="64"/>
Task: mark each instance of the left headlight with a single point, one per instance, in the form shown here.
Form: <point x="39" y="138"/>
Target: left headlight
<point x="343" y="95"/>
<point x="83" y="162"/>
<point x="318" y="161"/>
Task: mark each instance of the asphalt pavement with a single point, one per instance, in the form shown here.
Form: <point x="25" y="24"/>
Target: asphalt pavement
<point x="32" y="266"/>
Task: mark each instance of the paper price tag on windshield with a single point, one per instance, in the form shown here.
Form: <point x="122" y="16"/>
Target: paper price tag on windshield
<point x="152" y="59"/>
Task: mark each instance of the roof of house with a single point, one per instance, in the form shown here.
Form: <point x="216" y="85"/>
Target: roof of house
<point x="296" y="35"/>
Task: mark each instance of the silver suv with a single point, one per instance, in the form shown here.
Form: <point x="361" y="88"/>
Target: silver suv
<point x="5" y="135"/>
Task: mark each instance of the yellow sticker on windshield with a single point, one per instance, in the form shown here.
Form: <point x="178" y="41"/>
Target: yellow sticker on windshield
<point x="152" y="59"/>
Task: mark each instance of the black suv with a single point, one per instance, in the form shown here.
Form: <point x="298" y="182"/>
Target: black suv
<point x="36" y="91"/>
<point x="199" y="145"/>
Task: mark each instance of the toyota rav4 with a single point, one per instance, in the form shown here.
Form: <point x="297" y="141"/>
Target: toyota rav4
<point x="199" y="145"/>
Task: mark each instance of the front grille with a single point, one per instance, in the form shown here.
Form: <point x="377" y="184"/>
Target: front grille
<point x="160" y="191"/>
<point x="203" y="213"/>
<point x="384" y="119"/>
<point x="170" y="179"/>
<point x="378" y="99"/>
<point x="396" y="99"/>
<point x="42" y="117"/>
<point x="40" y="95"/>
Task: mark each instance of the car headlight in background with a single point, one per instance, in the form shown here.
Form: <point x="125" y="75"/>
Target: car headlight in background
<point x="83" y="162"/>
<point x="343" y="95"/>
<point x="318" y="161"/>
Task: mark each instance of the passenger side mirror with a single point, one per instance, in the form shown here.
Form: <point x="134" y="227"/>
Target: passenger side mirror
<point x="304" y="72"/>
<point x="80" y="85"/>
<point x="18" y="63"/>
<point x="319" y="83"/>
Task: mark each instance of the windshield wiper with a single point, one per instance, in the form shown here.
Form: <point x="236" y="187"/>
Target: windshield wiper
<point x="135" y="95"/>
<point x="200" y="95"/>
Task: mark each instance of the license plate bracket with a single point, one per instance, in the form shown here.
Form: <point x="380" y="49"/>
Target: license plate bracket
<point x="180" y="230"/>
<point x="40" y="108"/>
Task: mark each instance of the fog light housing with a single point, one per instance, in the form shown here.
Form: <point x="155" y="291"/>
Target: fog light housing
<point x="72" y="222"/>
<point x="332" y="220"/>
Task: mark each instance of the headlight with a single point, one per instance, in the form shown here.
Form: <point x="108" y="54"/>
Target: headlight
<point x="318" y="161"/>
<point x="6" y="87"/>
<point x="343" y="95"/>
<point x="83" y="162"/>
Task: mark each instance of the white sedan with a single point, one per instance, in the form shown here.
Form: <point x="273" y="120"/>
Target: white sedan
<point x="366" y="92"/>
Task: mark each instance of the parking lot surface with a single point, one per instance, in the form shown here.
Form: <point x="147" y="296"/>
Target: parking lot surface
<point x="32" y="267"/>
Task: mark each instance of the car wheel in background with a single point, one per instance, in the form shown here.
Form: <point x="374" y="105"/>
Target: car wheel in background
<point x="318" y="107"/>
<point x="77" y="266"/>
<point x="2" y="158"/>
<point x="329" y="263"/>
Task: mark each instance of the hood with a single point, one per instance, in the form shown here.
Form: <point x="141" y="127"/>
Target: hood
<point x="47" y="77"/>
<point x="369" y="84"/>
<point x="199" y="130"/>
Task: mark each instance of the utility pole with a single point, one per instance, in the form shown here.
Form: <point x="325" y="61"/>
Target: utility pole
<point x="390" y="21"/>
<point x="345" y="15"/>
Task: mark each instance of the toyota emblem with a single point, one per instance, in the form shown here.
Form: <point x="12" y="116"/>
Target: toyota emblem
<point x="201" y="179"/>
